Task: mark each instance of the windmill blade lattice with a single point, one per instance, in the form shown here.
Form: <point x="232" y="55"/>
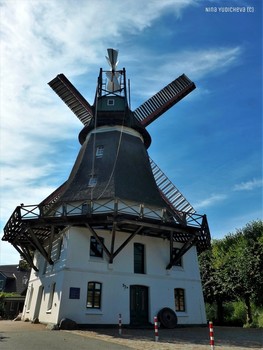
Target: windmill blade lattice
<point x="169" y="192"/>
<point x="72" y="97"/>
<point x="164" y="99"/>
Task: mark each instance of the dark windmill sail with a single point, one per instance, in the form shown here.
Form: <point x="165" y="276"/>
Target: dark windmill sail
<point x="113" y="183"/>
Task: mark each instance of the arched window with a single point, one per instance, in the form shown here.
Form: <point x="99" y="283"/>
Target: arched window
<point x="179" y="299"/>
<point x="94" y="295"/>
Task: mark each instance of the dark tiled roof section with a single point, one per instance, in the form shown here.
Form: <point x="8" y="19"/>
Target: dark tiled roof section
<point x="15" y="278"/>
<point x="123" y="172"/>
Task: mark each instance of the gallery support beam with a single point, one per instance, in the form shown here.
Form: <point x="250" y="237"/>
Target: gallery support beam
<point x="37" y="244"/>
<point x="175" y="258"/>
<point x="24" y="252"/>
<point x="112" y="254"/>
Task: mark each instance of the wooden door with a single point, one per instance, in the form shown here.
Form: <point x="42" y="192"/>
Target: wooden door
<point x="139" y="305"/>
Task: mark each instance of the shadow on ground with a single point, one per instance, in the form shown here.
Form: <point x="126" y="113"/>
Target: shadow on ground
<point x="224" y="336"/>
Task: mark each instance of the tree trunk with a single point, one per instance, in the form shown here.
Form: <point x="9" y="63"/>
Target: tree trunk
<point x="220" y="312"/>
<point x="248" y="309"/>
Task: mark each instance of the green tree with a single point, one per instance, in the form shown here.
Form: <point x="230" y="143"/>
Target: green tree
<point x="232" y="270"/>
<point x="212" y="264"/>
<point x="244" y="266"/>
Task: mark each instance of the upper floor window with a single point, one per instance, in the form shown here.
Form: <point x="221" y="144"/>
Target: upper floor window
<point x="95" y="247"/>
<point x="179" y="262"/>
<point x="99" y="151"/>
<point x="94" y="295"/>
<point x="139" y="263"/>
<point x="57" y="247"/>
<point x="110" y="102"/>
<point x="92" y="181"/>
<point x="179" y="299"/>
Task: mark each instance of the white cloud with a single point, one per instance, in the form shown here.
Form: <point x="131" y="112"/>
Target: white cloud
<point x="40" y="39"/>
<point x="249" y="185"/>
<point x="210" y="201"/>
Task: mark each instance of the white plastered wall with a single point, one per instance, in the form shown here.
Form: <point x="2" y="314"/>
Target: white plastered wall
<point x="75" y="268"/>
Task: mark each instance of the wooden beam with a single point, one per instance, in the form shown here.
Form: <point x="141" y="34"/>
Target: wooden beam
<point x="127" y="241"/>
<point x="171" y="247"/>
<point x="113" y="232"/>
<point x="189" y="244"/>
<point x="38" y="245"/>
<point x="26" y="254"/>
<point x="99" y="240"/>
<point x="52" y="231"/>
<point x="179" y="228"/>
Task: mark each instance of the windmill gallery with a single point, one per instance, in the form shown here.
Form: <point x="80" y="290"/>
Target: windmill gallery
<point x="117" y="237"/>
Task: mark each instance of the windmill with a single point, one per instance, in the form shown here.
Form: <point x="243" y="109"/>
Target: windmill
<point x="85" y="199"/>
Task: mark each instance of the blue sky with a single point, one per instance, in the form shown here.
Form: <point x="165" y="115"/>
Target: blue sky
<point x="209" y="144"/>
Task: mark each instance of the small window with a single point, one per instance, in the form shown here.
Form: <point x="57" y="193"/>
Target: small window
<point x="139" y="258"/>
<point x="74" y="293"/>
<point x="84" y="209"/>
<point x="110" y="102"/>
<point x="99" y="151"/>
<point x="94" y="295"/>
<point x="179" y="262"/>
<point x="30" y="298"/>
<point x="1" y="285"/>
<point x="51" y="296"/>
<point x="57" y="249"/>
<point x="179" y="299"/>
<point x="95" y="247"/>
<point x="92" y="181"/>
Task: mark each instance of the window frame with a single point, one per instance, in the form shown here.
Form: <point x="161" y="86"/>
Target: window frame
<point x="51" y="296"/>
<point x="97" y="247"/>
<point x="179" y="299"/>
<point x="30" y="296"/>
<point x="180" y="262"/>
<point x="139" y="258"/>
<point x="99" y="151"/>
<point x="110" y="102"/>
<point x="94" y="288"/>
<point x="92" y="181"/>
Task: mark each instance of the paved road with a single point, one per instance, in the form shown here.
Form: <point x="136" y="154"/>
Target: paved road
<point x="24" y="336"/>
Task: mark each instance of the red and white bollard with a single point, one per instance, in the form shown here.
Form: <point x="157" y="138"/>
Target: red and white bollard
<point x="120" y="324"/>
<point x="156" y="328"/>
<point x="211" y="333"/>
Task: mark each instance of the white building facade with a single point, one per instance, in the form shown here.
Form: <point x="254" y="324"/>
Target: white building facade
<point x="83" y="286"/>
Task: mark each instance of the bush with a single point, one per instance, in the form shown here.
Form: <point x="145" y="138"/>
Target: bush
<point x="239" y="312"/>
<point x="235" y="315"/>
<point x="260" y="319"/>
<point x="257" y="319"/>
<point x="210" y="312"/>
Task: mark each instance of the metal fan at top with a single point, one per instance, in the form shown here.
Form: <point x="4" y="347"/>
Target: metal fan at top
<point x="113" y="82"/>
